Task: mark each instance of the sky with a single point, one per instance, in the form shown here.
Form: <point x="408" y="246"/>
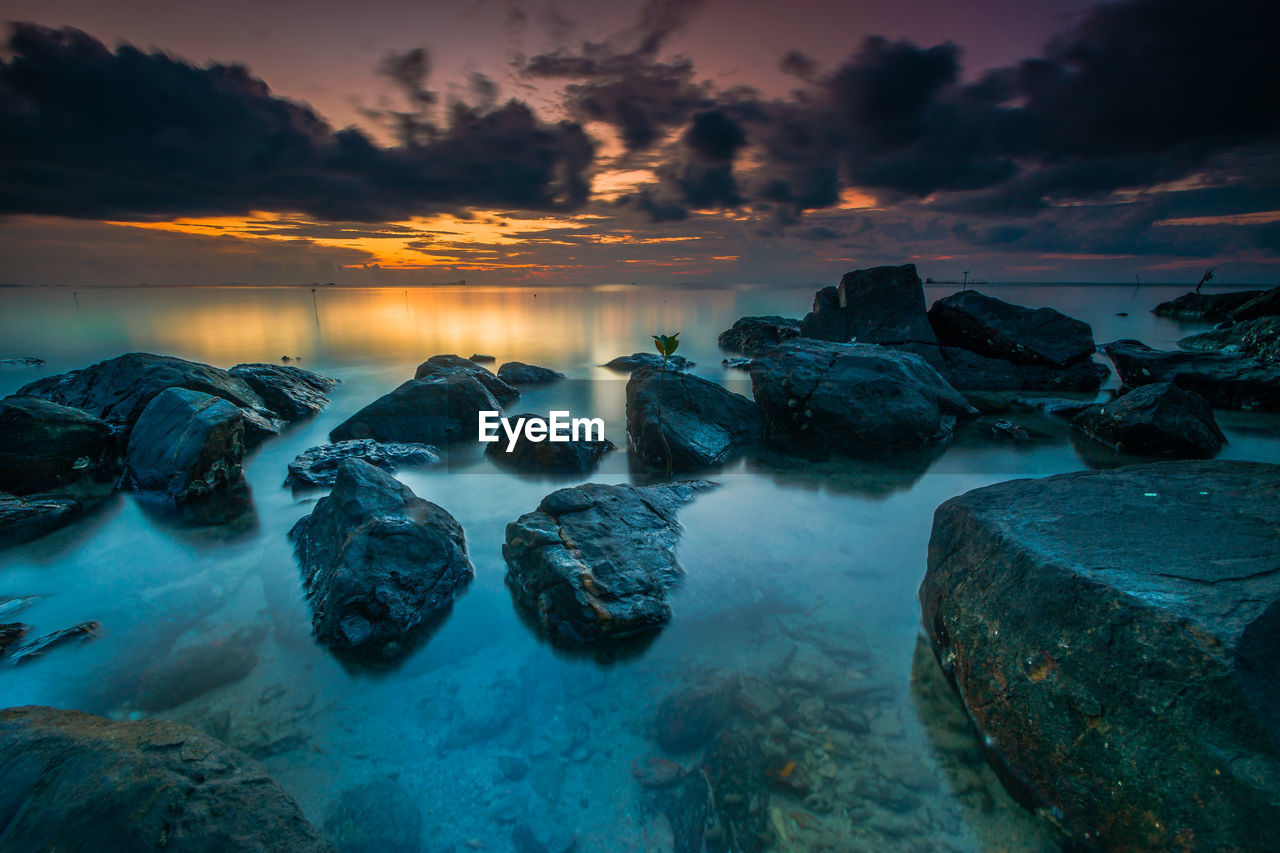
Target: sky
<point x="665" y="142"/>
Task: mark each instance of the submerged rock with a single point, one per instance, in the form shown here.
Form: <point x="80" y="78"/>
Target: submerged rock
<point x="1226" y="381"/>
<point x="753" y="335"/>
<point x="519" y="373"/>
<point x="1121" y="627"/>
<point x="11" y="633"/>
<point x="443" y="366"/>
<point x="595" y="563"/>
<point x="703" y="423"/>
<point x="318" y="466"/>
<point x="47" y="445"/>
<point x="193" y="671"/>
<point x="36" y="648"/>
<point x="1259" y="338"/>
<point x="546" y="457"/>
<point x="881" y="305"/>
<point x="1204" y="306"/>
<point x="185" y="444"/>
<point x="379" y="564"/>
<point x="997" y="329"/>
<point x="376" y="817"/>
<point x="438" y="410"/>
<point x="855" y="399"/>
<point x="734" y="768"/>
<point x="75" y="781"/>
<point x="290" y="392"/>
<point x="1154" y="420"/>
<point x="691" y="717"/>
<point x="25" y="518"/>
<point x="627" y="363"/>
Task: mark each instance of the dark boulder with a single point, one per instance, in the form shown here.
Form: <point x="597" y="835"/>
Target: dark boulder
<point x="481" y="358"/>
<point x="854" y="399"/>
<point x="628" y="363"/>
<point x="74" y="781"/>
<point x="753" y="335"/>
<point x="379" y="564"/>
<point x="881" y="305"/>
<point x="375" y="817"/>
<point x="1226" y="381"/>
<point x="998" y="329"/>
<point x="1154" y="420"/>
<point x="117" y="390"/>
<point x="546" y="457"/>
<point x="290" y="392"/>
<point x="185" y="444"/>
<point x="703" y="424"/>
<point x="1113" y="636"/>
<point x="1259" y="338"/>
<point x="734" y="768"/>
<point x="47" y="445"/>
<point x="439" y="410"/>
<point x="1210" y="307"/>
<point x="969" y="371"/>
<point x="318" y="466"/>
<point x="1265" y="304"/>
<point x="595" y="563"/>
<point x="451" y="365"/>
<point x="519" y="373"/>
<point x="690" y="717"/>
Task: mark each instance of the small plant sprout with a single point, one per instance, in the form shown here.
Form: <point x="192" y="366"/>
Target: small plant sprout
<point x="666" y="345"/>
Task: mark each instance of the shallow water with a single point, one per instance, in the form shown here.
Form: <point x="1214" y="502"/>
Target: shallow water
<point x="794" y="569"/>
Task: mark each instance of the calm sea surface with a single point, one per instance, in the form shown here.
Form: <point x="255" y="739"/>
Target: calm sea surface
<point x="793" y="568"/>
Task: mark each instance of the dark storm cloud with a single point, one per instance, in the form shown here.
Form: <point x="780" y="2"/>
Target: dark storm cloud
<point x="90" y="132"/>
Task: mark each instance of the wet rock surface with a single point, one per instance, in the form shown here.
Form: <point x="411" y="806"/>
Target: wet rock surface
<point x="1001" y="330"/>
<point x="443" y="366"/>
<point x="595" y="563"/>
<point x="970" y="371"/>
<point x="881" y="305"/>
<point x="25" y="518"/>
<point x="32" y="649"/>
<point x="376" y="817"/>
<point x="185" y="445"/>
<point x="379" y="564"/>
<point x="290" y="392"/>
<point x="702" y="424"/>
<point x="519" y="373"/>
<point x="546" y="457"/>
<point x="437" y="410"/>
<point x="1204" y="306"/>
<point x="1120" y="627"/>
<point x="1226" y="381"/>
<point x="171" y="787"/>
<point x="318" y="466"/>
<point x="627" y="363"/>
<point x="47" y="445"/>
<point x="753" y="335"/>
<point x="1154" y="420"/>
<point x="1259" y="338"/>
<point x="854" y="399"/>
<point x="1265" y="304"/>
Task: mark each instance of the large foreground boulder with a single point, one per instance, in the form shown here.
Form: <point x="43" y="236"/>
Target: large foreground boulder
<point x="999" y="329"/>
<point x="117" y="390"/>
<point x="855" y="399"/>
<point x="1226" y="381"/>
<point x="1155" y="420"/>
<point x="1113" y="636"/>
<point x="702" y="424"/>
<point x="1210" y="307"/>
<point x="443" y="366"/>
<point x="1259" y="338"/>
<point x="881" y="305"/>
<point x="318" y="466"/>
<point x="754" y="335"/>
<point x="595" y="563"/>
<point x="74" y="781"/>
<point x="437" y="410"/>
<point x="46" y="445"/>
<point x="290" y="392"/>
<point x="379" y="564"/>
<point x="576" y="456"/>
<point x="185" y="445"/>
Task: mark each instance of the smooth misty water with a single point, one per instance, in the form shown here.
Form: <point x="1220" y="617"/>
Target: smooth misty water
<point x="787" y="562"/>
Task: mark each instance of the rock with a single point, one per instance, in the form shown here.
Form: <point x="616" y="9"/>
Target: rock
<point x="11" y="633"/>
<point x="379" y="564"/>
<point x="734" y="768"/>
<point x="318" y="466"/>
<point x="689" y="718"/>
<point x="480" y="358"/>
<point x="998" y="329"/>
<point x="969" y="371"/>
<point x="117" y="390"/>
<point x="25" y="518"/>
<point x="35" y="648"/>
<point x="595" y="563"/>
<point x="1259" y="338"/>
<point x="519" y="373"/>
<point x="1265" y="304"/>
<point x="14" y="603"/>
<point x="439" y="366"/>
<point x="546" y="457"/>
<point x="753" y="335"/>
<point x="654" y="771"/>
<point x="47" y="445"/>
<point x="757" y="698"/>
<point x="376" y="817"/>
<point x="628" y="363"/>
<point x="703" y="423"/>
<point x="542" y="832"/>
<point x="881" y="305"/>
<point x="185" y="445"/>
<point x="290" y="392"/>
<point x="1006" y="430"/>
<point x="513" y="767"/>
<point x="1053" y="407"/>
<point x="855" y="399"/>
<point x="1204" y="306"/>
<point x="22" y="361"/>
<point x="737" y="363"/>
<point x="1226" y="381"/>
<point x="1113" y="637"/>
<point x="74" y="780"/>
<point x="438" y="410"/>
<point x="195" y="670"/>
<point x="1154" y="420"/>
